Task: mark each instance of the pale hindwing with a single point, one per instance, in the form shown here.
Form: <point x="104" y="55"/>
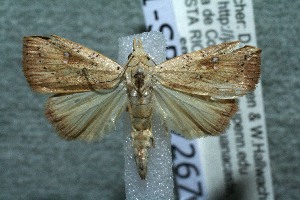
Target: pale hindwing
<point x="57" y="65"/>
<point x="87" y="115"/>
<point x="218" y="72"/>
<point x="192" y="116"/>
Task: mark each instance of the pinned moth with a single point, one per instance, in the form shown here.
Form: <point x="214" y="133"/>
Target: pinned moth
<point x="194" y="93"/>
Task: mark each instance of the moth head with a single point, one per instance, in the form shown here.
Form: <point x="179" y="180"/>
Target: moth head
<point x="138" y="49"/>
<point x="137" y="44"/>
<point x="138" y="53"/>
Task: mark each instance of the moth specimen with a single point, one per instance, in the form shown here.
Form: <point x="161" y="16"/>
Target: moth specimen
<point x="194" y="93"/>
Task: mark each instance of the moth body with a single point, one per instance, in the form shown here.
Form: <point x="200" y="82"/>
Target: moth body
<point x="139" y="90"/>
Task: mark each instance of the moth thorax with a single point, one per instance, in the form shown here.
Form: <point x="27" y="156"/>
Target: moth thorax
<point x="139" y="78"/>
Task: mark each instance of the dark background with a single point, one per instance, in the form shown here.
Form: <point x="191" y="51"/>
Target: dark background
<point x="36" y="164"/>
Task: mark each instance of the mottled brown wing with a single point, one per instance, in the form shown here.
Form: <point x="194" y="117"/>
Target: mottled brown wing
<point x="57" y="65"/>
<point x="192" y="116"/>
<point x="218" y="72"/>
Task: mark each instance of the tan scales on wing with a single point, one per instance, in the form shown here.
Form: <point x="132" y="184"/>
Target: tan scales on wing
<point x="87" y="115"/>
<point x="57" y="65"/>
<point x="219" y="72"/>
<point x="193" y="116"/>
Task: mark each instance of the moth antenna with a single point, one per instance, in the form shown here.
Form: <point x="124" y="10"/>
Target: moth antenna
<point x="140" y="44"/>
<point x="134" y="44"/>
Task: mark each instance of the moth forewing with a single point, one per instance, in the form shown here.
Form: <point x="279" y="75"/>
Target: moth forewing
<point x="57" y="65"/>
<point x="218" y="72"/>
